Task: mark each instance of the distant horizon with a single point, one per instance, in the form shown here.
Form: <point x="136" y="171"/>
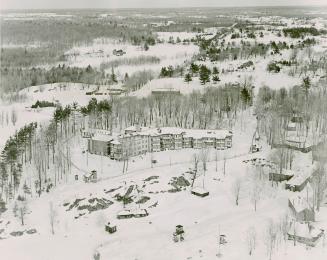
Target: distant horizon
<point x="140" y="8"/>
<point x="19" y="5"/>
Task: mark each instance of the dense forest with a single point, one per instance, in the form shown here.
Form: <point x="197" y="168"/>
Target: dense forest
<point x="214" y="108"/>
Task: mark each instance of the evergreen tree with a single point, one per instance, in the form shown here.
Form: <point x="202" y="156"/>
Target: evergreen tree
<point x="204" y="74"/>
<point x="126" y="77"/>
<point x="215" y="78"/>
<point x="215" y="70"/>
<point x="163" y="72"/>
<point x="188" y="77"/>
<point x="170" y="71"/>
<point x="306" y="84"/>
<point x="194" y="68"/>
<point x="245" y="96"/>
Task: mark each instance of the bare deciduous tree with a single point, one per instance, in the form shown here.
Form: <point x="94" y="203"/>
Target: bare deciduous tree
<point x="22" y="210"/>
<point x="250" y="240"/>
<point x="255" y="193"/>
<point x="236" y="188"/>
<point x="52" y="216"/>
<point x="270" y="238"/>
<point x="13" y="117"/>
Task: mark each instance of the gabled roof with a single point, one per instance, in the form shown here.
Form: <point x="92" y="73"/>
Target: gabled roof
<point x="298" y="179"/>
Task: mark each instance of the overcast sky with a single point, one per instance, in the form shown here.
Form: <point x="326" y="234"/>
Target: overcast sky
<point x="44" y="4"/>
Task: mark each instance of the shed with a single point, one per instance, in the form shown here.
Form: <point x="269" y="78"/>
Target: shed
<point x="124" y="214"/>
<point x="110" y="228"/>
<point x="90" y="177"/>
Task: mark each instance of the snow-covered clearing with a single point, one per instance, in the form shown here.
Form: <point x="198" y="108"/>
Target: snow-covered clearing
<point x="102" y="51"/>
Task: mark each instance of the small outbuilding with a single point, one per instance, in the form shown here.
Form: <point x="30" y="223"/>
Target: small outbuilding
<point x="178" y="235"/>
<point x="140" y="213"/>
<point x="90" y="177"/>
<point x="125" y="214"/>
<point x="110" y="228"/>
<point x="255" y="148"/>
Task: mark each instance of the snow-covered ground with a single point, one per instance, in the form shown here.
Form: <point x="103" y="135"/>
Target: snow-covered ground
<point x="80" y="232"/>
<point x="202" y="218"/>
<point x="102" y="51"/>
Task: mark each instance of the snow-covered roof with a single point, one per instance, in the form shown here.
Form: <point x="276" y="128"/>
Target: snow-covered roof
<point x="88" y="175"/>
<point x="303" y="230"/>
<point x="140" y="212"/>
<point x="187" y="133"/>
<point x="165" y="90"/>
<point x="135" y="128"/>
<point x="115" y="142"/>
<point x="199" y="133"/>
<point x="171" y="130"/>
<point x="298" y="179"/>
<point x="292" y="124"/>
<point x="124" y="213"/>
<point x="296" y="139"/>
<point x="102" y="138"/>
<point x="199" y="190"/>
<point x="287" y="172"/>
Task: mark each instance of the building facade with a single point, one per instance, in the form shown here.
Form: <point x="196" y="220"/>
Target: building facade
<point x="136" y="141"/>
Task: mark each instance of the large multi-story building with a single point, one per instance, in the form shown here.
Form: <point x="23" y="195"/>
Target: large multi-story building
<point x="136" y="141"/>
